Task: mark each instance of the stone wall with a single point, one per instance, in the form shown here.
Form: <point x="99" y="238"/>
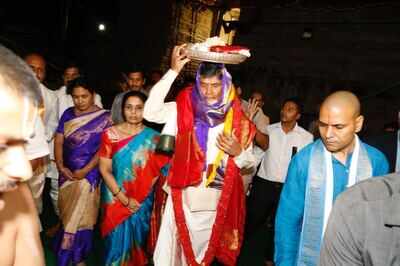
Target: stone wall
<point x="192" y="23"/>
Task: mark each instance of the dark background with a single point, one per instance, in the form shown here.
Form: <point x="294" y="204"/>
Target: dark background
<point x="67" y="31"/>
<point x="355" y="45"/>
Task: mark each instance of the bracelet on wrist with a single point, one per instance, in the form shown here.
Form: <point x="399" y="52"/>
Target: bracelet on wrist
<point x="116" y="193"/>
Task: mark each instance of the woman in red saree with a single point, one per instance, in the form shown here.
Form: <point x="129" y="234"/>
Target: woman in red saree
<point x="130" y="168"/>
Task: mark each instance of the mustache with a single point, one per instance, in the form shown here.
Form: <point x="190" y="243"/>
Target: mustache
<point x="7" y="184"/>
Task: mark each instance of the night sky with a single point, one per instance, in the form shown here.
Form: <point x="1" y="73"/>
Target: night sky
<point x="54" y="26"/>
<point x="63" y="31"/>
<point x="67" y="31"/>
<point x="136" y="33"/>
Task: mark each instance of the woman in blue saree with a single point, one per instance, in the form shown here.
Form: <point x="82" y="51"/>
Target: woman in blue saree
<point x="77" y="142"/>
<point x="130" y="169"/>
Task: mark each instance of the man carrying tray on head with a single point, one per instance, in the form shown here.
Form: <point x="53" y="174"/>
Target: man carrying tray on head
<point x="205" y="210"/>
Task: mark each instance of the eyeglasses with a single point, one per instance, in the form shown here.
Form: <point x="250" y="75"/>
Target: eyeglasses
<point x="12" y="143"/>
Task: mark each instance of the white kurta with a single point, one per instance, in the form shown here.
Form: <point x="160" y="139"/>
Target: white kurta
<point x="50" y="120"/>
<point x="37" y="147"/>
<point x="199" y="203"/>
<point x="40" y="144"/>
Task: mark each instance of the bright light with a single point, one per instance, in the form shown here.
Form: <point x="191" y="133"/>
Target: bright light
<point x="102" y="27"/>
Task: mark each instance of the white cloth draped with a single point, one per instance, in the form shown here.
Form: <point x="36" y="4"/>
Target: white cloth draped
<point x="199" y="214"/>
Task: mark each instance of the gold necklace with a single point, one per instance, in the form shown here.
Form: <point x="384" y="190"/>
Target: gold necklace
<point x="133" y="132"/>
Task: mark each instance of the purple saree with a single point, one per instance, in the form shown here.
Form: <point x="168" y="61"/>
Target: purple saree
<point x="78" y="200"/>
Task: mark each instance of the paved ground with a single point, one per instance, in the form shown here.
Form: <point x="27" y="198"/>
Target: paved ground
<point x="252" y="250"/>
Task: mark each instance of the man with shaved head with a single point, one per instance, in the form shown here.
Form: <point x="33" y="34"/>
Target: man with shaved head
<point x="38" y="65"/>
<point x="318" y="174"/>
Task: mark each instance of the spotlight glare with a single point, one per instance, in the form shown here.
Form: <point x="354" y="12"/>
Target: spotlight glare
<point x="102" y="27"/>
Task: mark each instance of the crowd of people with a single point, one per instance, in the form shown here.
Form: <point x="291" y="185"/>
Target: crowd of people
<point x="193" y="193"/>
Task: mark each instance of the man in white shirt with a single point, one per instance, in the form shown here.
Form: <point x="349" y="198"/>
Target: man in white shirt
<point x="37" y="151"/>
<point x="38" y="147"/>
<point x="285" y="139"/>
<point x="64" y="100"/>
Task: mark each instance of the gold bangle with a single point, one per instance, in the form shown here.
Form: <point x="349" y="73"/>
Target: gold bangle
<point x="115" y="194"/>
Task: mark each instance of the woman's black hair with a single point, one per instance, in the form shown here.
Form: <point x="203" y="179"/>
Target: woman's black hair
<point x="79" y="82"/>
<point x="138" y="94"/>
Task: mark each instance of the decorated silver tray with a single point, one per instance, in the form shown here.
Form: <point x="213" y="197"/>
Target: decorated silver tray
<point x="214" y="57"/>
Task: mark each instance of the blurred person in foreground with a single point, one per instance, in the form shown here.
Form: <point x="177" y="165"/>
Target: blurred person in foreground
<point x="364" y="226"/>
<point x="20" y="98"/>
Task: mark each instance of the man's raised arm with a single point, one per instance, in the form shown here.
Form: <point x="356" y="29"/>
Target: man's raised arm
<point x="155" y="109"/>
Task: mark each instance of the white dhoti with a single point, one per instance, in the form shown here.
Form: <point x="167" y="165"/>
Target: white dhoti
<point x="36" y="185"/>
<point x="37" y="149"/>
<point x="168" y="250"/>
<point x="52" y="174"/>
<point x="199" y="203"/>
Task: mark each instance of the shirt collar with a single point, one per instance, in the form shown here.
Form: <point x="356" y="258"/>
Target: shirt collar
<point x="295" y="129"/>
<point x="348" y="160"/>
